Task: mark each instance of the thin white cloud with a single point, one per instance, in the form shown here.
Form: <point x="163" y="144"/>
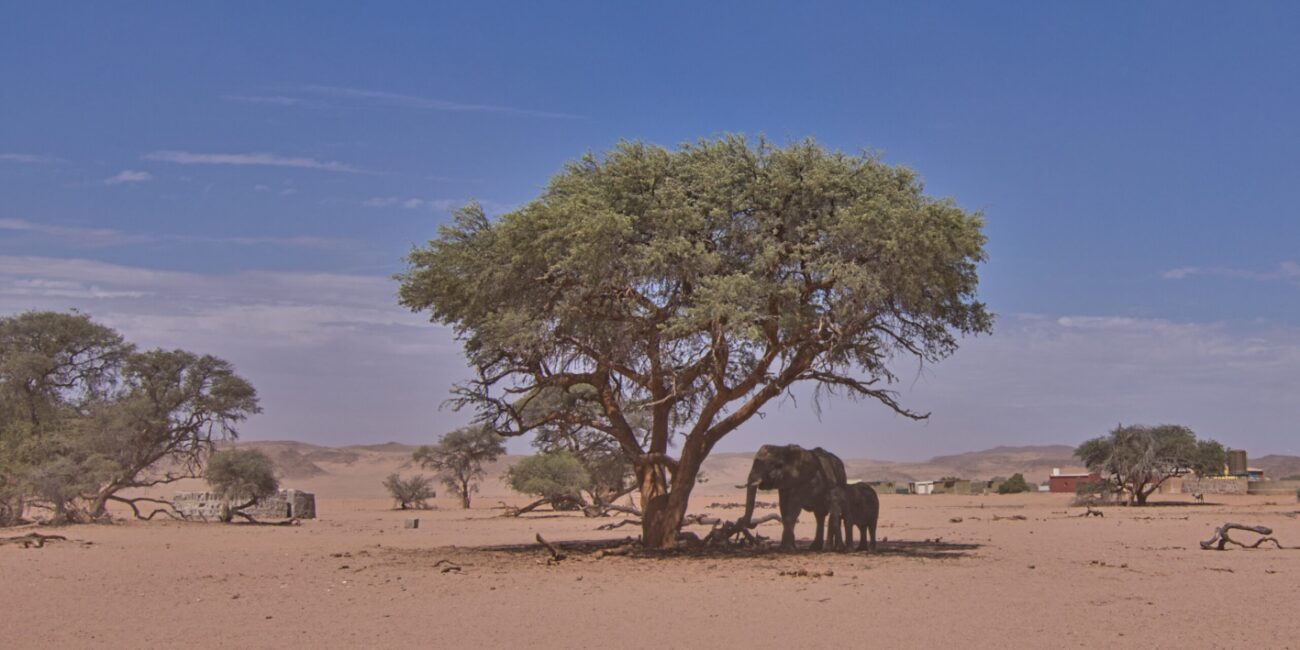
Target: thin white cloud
<point x="28" y="159"/>
<point x="128" y="176"/>
<point x="333" y="356"/>
<point x="437" y="205"/>
<point x="382" y="98"/>
<point x="277" y="100"/>
<point x="250" y="159"/>
<point x="1284" y="271"/>
<point x="108" y="237"/>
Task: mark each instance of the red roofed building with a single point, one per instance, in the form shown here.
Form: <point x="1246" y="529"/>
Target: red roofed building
<point x="1069" y="483"/>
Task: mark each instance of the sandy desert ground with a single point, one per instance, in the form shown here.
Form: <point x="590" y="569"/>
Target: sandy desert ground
<point x="950" y="571"/>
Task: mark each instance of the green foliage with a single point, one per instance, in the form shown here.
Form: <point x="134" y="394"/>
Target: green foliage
<point x="458" y="457"/>
<point x="690" y="287"/>
<point x="241" y="475"/>
<point x="556" y="475"/>
<point x="1137" y="459"/>
<point x="1293" y="477"/>
<point x="83" y="415"/>
<point x="413" y="492"/>
<point x="1015" y="485"/>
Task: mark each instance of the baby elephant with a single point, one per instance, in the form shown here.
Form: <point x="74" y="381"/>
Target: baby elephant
<point x="855" y="504"/>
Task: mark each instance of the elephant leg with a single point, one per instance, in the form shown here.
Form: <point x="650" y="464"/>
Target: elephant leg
<point x="848" y="533"/>
<point x="863" y="545"/>
<point x="789" y="517"/>
<point x="821" y="523"/>
<point x="833" y="532"/>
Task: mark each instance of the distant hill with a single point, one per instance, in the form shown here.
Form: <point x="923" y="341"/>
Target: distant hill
<point x="1277" y="466"/>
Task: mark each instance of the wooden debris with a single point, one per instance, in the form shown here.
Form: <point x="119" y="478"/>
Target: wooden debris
<point x="451" y="566"/>
<point x="556" y="555"/>
<point x="1221" y="539"/>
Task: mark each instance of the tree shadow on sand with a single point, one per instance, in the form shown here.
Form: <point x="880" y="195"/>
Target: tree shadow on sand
<point x="927" y="549"/>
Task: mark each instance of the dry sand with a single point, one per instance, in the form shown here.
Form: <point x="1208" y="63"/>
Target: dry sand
<point x="356" y="578"/>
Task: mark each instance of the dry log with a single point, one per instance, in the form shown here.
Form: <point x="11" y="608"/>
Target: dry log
<point x="556" y="555"/>
<point x="1091" y="513"/>
<point x="1221" y="539"/>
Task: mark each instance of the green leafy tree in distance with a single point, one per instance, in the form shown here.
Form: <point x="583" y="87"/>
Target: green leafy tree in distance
<point x="1137" y="459"/>
<point x="458" y="457"/>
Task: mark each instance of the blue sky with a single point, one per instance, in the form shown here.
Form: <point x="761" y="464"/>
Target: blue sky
<point x="242" y="179"/>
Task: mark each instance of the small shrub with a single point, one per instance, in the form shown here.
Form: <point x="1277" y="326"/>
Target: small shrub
<point x="410" y="492"/>
<point x="1014" y="485"/>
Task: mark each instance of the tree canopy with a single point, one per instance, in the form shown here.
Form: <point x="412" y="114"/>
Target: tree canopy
<point x="692" y="286"/>
<point x="241" y="476"/>
<point x="84" y="415"/>
<point x="1138" y="459"/>
<point x="1014" y="485"/>
<point x="458" y="457"/>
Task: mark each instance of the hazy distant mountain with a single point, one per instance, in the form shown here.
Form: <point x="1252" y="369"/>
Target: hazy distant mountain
<point x="297" y="460"/>
<point x="1277" y="466"/>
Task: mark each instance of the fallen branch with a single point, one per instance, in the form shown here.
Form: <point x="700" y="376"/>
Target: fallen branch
<point x="619" y="524"/>
<point x="1221" y="539"/>
<point x="512" y="511"/>
<point x="556" y="555"/>
<point x="32" y="539"/>
<point x="1091" y="513"/>
<point x="131" y="502"/>
<point x="733" y="504"/>
<point x="451" y="566"/>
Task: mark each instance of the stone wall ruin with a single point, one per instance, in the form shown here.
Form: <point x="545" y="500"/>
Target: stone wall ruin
<point x="285" y="504"/>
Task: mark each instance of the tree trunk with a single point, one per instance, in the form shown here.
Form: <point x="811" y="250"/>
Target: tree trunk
<point x="661" y="520"/>
<point x="99" y="506"/>
<point x="662" y="509"/>
<point x="464" y="495"/>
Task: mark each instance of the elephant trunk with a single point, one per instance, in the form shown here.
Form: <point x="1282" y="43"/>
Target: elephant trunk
<point x="751" y="491"/>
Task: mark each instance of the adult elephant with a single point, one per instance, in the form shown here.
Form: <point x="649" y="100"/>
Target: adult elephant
<point x="803" y="480"/>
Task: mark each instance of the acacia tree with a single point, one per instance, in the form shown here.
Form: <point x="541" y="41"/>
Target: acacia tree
<point x="458" y="457"/>
<point x="1138" y="459"/>
<point x="694" y="286"/>
<point x="83" y="415"/>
